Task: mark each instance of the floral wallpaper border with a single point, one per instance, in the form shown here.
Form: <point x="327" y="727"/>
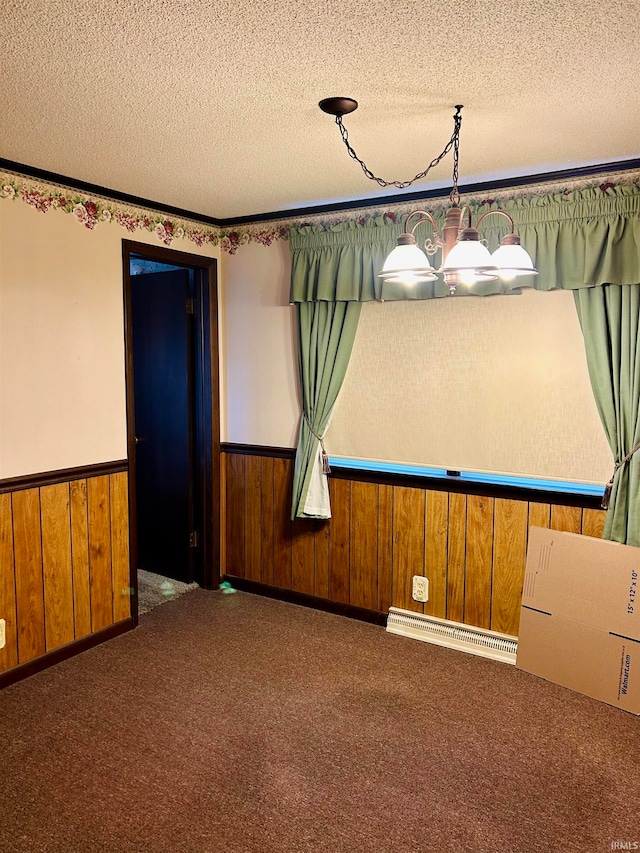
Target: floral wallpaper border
<point x="91" y="211"/>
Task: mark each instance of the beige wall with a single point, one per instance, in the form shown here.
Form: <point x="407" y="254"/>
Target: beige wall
<point x="62" y="388"/>
<point x="496" y="384"/>
<point x="260" y="370"/>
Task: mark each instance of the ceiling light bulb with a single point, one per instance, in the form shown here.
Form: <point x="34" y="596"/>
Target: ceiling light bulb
<point x="409" y="278"/>
<point x="468" y="277"/>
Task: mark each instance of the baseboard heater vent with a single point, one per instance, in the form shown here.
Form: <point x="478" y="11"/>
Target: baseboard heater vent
<point x="453" y="635"/>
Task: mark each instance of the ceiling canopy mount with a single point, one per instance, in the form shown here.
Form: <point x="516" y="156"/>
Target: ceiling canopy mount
<point x="338" y="106"/>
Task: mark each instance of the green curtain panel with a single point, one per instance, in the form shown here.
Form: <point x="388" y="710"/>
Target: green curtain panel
<point x="610" y="321"/>
<point x="326" y="332"/>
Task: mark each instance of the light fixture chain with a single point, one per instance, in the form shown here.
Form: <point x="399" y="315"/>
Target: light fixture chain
<point x="452" y="143"/>
<point x="454" y="195"/>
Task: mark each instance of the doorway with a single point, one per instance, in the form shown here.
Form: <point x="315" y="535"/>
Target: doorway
<point x="173" y="414"/>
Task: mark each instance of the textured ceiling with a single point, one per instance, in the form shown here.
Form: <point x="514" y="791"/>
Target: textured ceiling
<point x="212" y="106"/>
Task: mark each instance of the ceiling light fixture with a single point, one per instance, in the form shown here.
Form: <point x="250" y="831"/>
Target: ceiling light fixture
<point x="465" y="258"/>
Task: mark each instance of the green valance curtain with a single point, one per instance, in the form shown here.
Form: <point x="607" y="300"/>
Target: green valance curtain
<point x="581" y="239"/>
<point x="342" y="262"/>
<point x="584" y="238"/>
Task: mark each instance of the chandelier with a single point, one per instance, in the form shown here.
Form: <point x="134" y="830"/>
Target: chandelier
<point x="465" y="258"/>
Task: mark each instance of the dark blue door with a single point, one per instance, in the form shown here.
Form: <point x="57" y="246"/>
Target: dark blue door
<point x="164" y="415"/>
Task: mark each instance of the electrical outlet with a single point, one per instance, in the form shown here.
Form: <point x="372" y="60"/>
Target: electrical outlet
<point x="3" y="639"/>
<point x="420" y="588"/>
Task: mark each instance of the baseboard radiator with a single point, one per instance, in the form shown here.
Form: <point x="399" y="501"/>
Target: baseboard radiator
<point x="453" y="635"/>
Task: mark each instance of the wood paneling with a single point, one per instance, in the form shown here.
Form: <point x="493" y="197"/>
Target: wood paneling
<point x="437" y="552"/>
<point x="56" y="559"/>
<point x="408" y="545"/>
<point x="322" y="559"/>
<point x="479" y="559"/>
<point x="385" y="547"/>
<point x="363" y="586"/>
<point x="567" y="518"/>
<point x="120" y="564"/>
<point x="27" y="554"/>
<point x="282" y="556"/>
<point x="9" y="654"/>
<point x="456" y="559"/>
<point x="99" y="517"/>
<point x="80" y="558"/>
<point x="472" y="548"/>
<point x="539" y="515"/>
<point x="509" y="557"/>
<point x="64" y="564"/>
<point x="235" y="515"/>
<point x="266" y="527"/>
<point x="340" y="541"/>
<point x="253" y="516"/>
<point x="593" y="522"/>
<point x="303" y="556"/>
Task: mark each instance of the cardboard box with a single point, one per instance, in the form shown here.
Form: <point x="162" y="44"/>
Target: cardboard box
<point x="580" y="618"/>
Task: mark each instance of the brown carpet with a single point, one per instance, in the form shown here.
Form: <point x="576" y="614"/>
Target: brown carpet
<point x="154" y="590"/>
<point x="236" y="723"/>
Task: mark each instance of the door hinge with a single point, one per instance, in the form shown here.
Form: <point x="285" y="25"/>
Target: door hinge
<point x="194" y="539"/>
<point x="191" y="307"/>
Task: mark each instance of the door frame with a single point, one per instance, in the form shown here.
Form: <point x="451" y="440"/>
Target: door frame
<point x="209" y="474"/>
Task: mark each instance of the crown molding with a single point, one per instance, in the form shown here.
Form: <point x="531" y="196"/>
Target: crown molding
<point x="481" y="187"/>
<point x="105" y="192"/>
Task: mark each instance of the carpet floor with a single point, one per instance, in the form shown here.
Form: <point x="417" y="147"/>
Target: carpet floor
<point x="229" y="723"/>
<point x="154" y="590"/>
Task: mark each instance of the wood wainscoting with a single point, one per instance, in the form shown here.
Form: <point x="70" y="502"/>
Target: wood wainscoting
<point x="64" y="563"/>
<point x="470" y="541"/>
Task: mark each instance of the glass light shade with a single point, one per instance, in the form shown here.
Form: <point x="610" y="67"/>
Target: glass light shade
<point x="407" y="265"/>
<point x="512" y="261"/>
<point x="472" y="257"/>
<point x="468" y="254"/>
<point x="407" y="278"/>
